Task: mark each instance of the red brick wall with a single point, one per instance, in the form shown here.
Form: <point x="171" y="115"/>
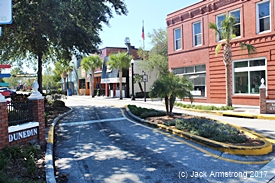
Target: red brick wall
<point x="206" y="12"/>
<point x="4" y="141"/>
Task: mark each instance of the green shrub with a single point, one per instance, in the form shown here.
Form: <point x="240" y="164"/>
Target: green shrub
<point x="144" y="112"/>
<point x="210" y="129"/>
<point x="203" y="107"/>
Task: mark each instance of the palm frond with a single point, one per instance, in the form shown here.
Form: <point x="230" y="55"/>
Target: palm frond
<point x="250" y="48"/>
<point x="218" y="48"/>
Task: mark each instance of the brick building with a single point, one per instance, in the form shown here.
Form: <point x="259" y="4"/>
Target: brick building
<point x="191" y="49"/>
<point x="103" y="79"/>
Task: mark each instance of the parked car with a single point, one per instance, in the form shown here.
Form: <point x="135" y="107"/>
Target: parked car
<point x="6" y="91"/>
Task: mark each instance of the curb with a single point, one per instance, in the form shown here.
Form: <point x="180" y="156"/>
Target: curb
<point x="231" y="149"/>
<point x="50" y="177"/>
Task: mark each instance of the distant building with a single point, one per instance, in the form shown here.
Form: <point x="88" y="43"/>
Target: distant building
<point x="191" y="49"/>
<point x="105" y="81"/>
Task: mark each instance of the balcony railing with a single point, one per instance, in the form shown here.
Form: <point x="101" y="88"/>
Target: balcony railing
<point x="20" y="112"/>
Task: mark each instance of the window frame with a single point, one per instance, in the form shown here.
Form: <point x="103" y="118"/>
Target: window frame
<point x="194" y="34"/>
<point x="258" y="18"/>
<point x="182" y="71"/>
<point x="248" y="69"/>
<point x="230" y="12"/>
<point x="218" y="39"/>
<point x="177" y="40"/>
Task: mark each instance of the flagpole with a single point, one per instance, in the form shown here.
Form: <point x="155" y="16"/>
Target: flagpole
<point x="144" y="34"/>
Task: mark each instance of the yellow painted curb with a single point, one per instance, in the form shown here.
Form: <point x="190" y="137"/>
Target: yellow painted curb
<point x="266" y="148"/>
<point x="50" y="135"/>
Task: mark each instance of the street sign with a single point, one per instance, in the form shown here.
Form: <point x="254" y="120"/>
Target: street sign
<point x="5" y="66"/>
<point x="5" y="11"/>
<point x="5" y="75"/>
<point x="4" y="84"/>
<point x="145" y="78"/>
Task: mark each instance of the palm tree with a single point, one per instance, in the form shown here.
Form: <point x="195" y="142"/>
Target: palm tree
<point x="226" y="31"/>
<point x="119" y="61"/>
<point x="62" y="69"/>
<point x="169" y="87"/>
<point x="91" y="63"/>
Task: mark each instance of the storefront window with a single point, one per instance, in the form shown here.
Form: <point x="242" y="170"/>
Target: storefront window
<point x="247" y="78"/>
<point x="196" y="74"/>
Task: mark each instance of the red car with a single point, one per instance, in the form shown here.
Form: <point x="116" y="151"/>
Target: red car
<point x="6" y="92"/>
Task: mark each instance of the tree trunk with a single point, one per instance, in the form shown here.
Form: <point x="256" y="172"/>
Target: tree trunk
<point x="39" y="73"/>
<point x="120" y="84"/>
<point x="227" y="61"/>
<point x="172" y="101"/>
<point x="65" y="84"/>
<point x="140" y="87"/>
<point x="167" y="105"/>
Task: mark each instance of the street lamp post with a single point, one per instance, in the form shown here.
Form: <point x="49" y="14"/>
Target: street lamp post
<point x="133" y="91"/>
<point x="128" y="44"/>
<point x="145" y="79"/>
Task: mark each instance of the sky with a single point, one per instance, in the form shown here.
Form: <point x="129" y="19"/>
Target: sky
<point x="153" y="12"/>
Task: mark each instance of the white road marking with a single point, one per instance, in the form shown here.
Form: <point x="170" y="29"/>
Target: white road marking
<point x="90" y="122"/>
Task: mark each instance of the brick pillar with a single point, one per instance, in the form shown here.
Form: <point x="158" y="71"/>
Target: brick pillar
<point x="4" y="123"/>
<point x="38" y="111"/>
<point x="38" y="116"/>
<point x="262" y="98"/>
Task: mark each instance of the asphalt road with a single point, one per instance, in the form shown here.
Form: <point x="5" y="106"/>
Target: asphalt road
<point x="99" y="142"/>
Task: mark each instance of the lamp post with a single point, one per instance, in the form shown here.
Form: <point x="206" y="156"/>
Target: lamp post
<point x="127" y="88"/>
<point x="145" y="79"/>
<point x="133" y="91"/>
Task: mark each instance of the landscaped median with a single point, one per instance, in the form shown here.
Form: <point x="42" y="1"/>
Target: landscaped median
<point x="263" y="148"/>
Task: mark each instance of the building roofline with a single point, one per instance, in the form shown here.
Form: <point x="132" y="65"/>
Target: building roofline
<point x="185" y="7"/>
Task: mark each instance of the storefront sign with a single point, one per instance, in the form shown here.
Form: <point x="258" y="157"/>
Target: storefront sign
<point x="112" y="80"/>
<point x="23" y="134"/>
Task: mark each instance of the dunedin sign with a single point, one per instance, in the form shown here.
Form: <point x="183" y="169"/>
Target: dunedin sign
<point x="23" y="134"/>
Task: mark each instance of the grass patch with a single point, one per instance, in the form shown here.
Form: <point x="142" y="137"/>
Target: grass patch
<point x="204" y="107"/>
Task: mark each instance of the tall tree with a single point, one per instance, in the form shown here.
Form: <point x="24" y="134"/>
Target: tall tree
<point x="39" y="28"/>
<point x="91" y="63"/>
<point x="226" y="31"/>
<point x="169" y="87"/>
<point x="119" y="61"/>
<point x="63" y="69"/>
<point x="157" y="58"/>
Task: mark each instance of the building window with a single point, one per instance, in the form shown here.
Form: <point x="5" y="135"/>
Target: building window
<point x="237" y="25"/>
<point x="82" y="84"/>
<point x="248" y="75"/>
<point x="197" y="75"/>
<point x="219" y="20"/>
<point x="263" y="16"/>
<point x="177" y="38"/>
<point x="197" y="33"/>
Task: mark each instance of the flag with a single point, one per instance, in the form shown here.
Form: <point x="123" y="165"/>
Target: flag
<point x="142" y="33"/>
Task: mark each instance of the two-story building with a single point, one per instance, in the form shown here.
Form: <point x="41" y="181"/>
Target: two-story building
<point x="191" y="49"/>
